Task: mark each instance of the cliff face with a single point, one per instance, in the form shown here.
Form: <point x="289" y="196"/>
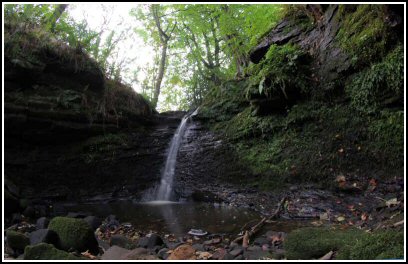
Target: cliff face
<point x="71" y="132"/>
<point x="323" y="97"/>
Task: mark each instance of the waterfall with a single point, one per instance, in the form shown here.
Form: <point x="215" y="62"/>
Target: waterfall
<point x="164" y="191"/>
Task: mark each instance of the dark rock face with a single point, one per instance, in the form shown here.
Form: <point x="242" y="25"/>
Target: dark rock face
<point x="93" y="221"/>
<point x="203" y="162"/>
<point x="317" y="37"/>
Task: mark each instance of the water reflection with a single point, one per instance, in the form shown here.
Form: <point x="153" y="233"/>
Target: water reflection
<point x="173" y="217"/>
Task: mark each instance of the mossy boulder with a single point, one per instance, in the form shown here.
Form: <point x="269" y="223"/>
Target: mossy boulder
<point x="382" y="245"/>
<point x="74" y="234"/>
<point x="16" y="240"/>
<point x="45" y="251"/>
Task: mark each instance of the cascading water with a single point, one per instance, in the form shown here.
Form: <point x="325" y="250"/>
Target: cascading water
<point x="164" y="191"/>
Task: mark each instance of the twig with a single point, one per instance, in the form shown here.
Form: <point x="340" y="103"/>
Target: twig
<point x="258" y="226"/>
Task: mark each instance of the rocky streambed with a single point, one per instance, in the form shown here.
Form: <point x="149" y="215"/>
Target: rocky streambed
<point x="151" y="231"/>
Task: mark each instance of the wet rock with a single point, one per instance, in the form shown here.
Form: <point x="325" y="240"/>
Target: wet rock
<point x="16" y="240"/>
<point x="74" y="233"/>
<point x="42" y="223"/>
<point x="239" y="257"/>
<point x="235" y="252"/>
<point x="45" y="251"/>
<point x="154" y="240"/>
<point x="254" y="248"/>
<point x="143" y="242"/>
<point x="261" y="241"/>
<point x="198" y="247"/>
<point x="162" y="254"/>
<point x="139" y="254"/>
<point x="219" y="254"/>
<point x="122" y="241"/>
<point x="173" y="245"/>
<point x="255" y="254"/>
<point x="44" y="236"/>
<point x="183" y="252"/>
<point x="103" y="244"/>
<point x="115" y="252"/>
<point x="205" y="196"/>
<point x="93" y="221"/>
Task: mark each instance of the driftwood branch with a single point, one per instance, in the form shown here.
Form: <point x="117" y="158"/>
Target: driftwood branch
<point x="258" y="226"/>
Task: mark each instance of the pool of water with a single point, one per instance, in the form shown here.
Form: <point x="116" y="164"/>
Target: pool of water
<point x="178" y="218"/>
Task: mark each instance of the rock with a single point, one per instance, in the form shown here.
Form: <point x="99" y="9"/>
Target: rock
<point x="74" y="233"/>
<point x="203" y="255"/>
<point x="255" y="254"/>
<point x="17" y="241"/>
<point x="183" y="252"/>
<point x="173" y="245"/>
<point x="154" y="240"/>
<point x="93" y="221"/>
<point x="265" y="247"/>
<point x="162" y="254"/>
<point x="219" y="254"/>
<point x="236" y="252"/>
<point x="143" y="242"/>
<point x="103" y="244"/>
<point x="205" y="196"/>
<point x="45" y="251"/>
<point x="254" y="248"/>
<point x="122" y="241"/>
<point x="239" y="257"/>
<point x="42" y="222"/>
<point x="44" y="236"/>
<point x="115" y="252"/>
<point x="261" y="241"/>
<point x="278" y="254"/>
<point x="198" y="247"/>
<point x="139" y="254"/>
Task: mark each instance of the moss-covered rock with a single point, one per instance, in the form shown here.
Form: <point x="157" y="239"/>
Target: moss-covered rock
<point x="16" y="240"/>
<point x="381" y="245"/>
<point x="313" y="243"/>
<point x="74" y="233"/>
<point x="45" y="251"/>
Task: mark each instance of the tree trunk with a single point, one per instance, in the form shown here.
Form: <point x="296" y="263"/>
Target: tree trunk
<point x="160" y="74"/>
<point x="52" y="21"/>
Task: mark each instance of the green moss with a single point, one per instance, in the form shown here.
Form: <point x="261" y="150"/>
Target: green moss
<point x="313" y="243"/>
<point x="381" y="245"/>
<point x="380" y="85"/>
<point x="45" y="251"/>
<point x="74" y="233"/>
<point x="363" y="33"/>
<point x="16" y="240"/>
<point x="283" y="68"/>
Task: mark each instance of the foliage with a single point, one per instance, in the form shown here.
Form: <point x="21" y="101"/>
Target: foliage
<point x="44" y="251"/>
<point x="364" y="43"/>
<point x="380" y="84"/>
<point x="282" y="68"/>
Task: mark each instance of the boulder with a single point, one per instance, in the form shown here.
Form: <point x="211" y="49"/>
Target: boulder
<point x="45" y="251"/>
<point x="122" y="241"/>
<point x="17" y="241"/>
<point x="74" y="233"/>
<point x="151" y="242"/>
<point x="44" y="236"/>
<point x="42" y="222"/>
<point x="183" y="252"/>
<point x="162" y="254"/>
<point x="139" y="254"/>
<point x="115" y="252"/>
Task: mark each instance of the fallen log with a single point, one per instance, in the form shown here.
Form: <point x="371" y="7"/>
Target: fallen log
<point x="258" y="226"/>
